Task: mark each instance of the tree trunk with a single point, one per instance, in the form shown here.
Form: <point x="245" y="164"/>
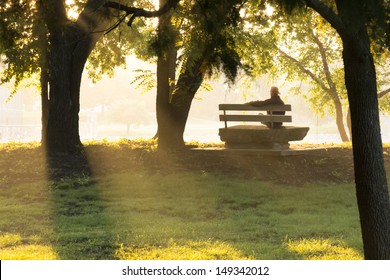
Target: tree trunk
<point x="171" y="134"/>
<point x="166" y="67"/>
<point x="186" y="88"/>
<point x="370" y="175"/>
<point x="349" y="124"/>
<point x="70" y="45"/>
<point x="340" y="122"/>
<point x="165" y="121"/>
<point x="62" y="124"/>
<point x="44" y="82"/>
<point x="44" y="75"/>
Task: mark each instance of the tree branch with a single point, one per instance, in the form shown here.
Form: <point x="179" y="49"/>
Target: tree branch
<point x="327" y="13"/>
<point x="304" y="69"/>
<point x="138" y="12"/>
<point x="324" y="60"/>
<point x="383" y="93"/>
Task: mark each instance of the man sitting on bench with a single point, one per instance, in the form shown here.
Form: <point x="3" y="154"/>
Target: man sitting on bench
<point x="274" y="100"/>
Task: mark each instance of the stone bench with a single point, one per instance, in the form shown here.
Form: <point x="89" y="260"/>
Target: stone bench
<point x="257" y="135"/>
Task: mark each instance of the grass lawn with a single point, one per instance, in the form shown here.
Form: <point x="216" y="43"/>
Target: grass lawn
<point x="139" y="211"/>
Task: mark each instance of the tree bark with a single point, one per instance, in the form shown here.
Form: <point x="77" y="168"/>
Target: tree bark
<point x="174" y="113"/>
<point x="69" y="48"/>
<point x="187" y="85"/>
<point x="44" y="75"/>
<point x="370" y="175"/>
<point x="166" y="68"/>
<point x="44" y="82"/>
<point x="62" y="124"/>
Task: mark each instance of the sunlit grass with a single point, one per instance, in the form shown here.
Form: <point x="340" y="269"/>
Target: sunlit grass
<point x="145" y="144"/>
<point x="200" y="250"/>
<point x="14" y="247"/>
<point x="143" y="213"/>
<point x="178" y="216"/>
<point x="323" y="249"/>
<point x="12" y="146"/>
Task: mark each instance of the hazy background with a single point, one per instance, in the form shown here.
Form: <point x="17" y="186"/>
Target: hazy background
<point x="113" y="108"/>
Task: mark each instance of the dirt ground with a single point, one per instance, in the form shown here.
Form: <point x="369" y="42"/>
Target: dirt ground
<point x="324" y="164"/>
<point x="321" y="164"/>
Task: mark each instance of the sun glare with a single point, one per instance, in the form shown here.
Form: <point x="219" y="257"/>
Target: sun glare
<point x="269" y="10"/>
<point x="156" y="3"/>
<point x="71" y="11"/>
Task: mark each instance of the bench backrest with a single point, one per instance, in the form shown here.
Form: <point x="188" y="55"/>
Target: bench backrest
<point x="243" y="116"/>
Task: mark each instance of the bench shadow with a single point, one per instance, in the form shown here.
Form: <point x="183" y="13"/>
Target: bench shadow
<point x="79" y="219"/>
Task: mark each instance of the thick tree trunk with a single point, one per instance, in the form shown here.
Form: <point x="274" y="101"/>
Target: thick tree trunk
<point x="166" y="68"/>
<point x="171" y="130"/>
<point x="165" y="119"/>
<point x="62" y="124"/>
<point x="370" y="175"/>
<point x="187" y="86"/>
<point x="70" y="45"/>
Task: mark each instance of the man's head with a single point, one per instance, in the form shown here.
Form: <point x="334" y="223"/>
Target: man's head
<point x="274" y="91"/>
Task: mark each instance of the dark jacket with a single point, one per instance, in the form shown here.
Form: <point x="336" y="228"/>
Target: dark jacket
<point x="274" y="100"/>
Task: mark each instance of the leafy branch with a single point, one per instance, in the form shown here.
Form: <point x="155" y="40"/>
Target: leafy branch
<point x="138" y="12"/>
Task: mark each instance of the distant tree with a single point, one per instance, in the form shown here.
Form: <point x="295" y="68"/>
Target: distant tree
<point x="309" y="49"/>
<point x="359" y="24"/>
<point x="305" y="48"/>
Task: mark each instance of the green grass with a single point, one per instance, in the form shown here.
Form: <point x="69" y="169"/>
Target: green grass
<point x="184" y="215"/>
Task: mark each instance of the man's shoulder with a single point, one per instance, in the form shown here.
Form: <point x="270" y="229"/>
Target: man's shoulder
<point x="277" y="99"/>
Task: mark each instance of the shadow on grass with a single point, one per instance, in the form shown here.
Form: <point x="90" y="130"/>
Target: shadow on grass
<point x="176" y="207"/>
<point x="80" y="224"/>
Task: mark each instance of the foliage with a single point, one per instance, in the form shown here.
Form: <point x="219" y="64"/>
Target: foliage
<point x="204" y="29"/>
<point x="305" y="50"/>
<point x="293" y="41"/>
<point x="215" y="23"/>
<point x="20" y="47"/>
<point x="117" y="44"/>
<point x="22" y="30"/>
<point x="145" y="80"/>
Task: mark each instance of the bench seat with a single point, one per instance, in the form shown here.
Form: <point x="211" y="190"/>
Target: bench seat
<point x="260" y="136"/>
